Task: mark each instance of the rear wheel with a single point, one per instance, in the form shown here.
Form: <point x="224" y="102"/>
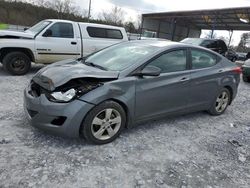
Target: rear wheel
<point x="221" y="103"/>
<point x="16" y="63"/>
<point x="103" y="123"/>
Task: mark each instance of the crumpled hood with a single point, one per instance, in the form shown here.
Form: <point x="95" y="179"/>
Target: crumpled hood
<point x="57" y="74"/>
<point x="18" y="34"/>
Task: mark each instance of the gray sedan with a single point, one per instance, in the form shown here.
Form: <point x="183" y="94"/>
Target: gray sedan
<point x="98" y="96"/>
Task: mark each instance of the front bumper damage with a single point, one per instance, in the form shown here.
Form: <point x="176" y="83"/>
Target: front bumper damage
<point x="63" y="119"/>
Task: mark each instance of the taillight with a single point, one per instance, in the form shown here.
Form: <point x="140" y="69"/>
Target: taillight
<point x="237" y="70"/>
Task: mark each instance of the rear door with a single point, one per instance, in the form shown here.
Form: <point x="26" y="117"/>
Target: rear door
<point x="61" y="44"/>
<point x="167" y="92"/>
<point x="205" y="77"/>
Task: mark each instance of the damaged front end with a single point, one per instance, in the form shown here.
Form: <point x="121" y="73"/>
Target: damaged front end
<point x="69" y="91"/>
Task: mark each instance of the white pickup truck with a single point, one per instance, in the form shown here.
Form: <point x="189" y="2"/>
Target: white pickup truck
<point x="54" y="40"/>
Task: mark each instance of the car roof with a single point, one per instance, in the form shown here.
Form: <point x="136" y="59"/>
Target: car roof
<point x="161" y="44"/>
<point x="86" y="23"/>
<point x="203" y="39"/>
<point x="167" y="44"/>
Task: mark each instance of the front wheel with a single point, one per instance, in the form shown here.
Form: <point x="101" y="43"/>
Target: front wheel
<point x="221" y="103"/>
<point x="103" y="123"/>
<point x="16" y="63"/>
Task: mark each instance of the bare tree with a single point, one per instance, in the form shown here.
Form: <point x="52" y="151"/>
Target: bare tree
<point x="63" y="7"/>
<point x="115" y="16"/>
<point x="210" y="35"/>
<point x="139" y="21"/>
<point x="243" y="45"/>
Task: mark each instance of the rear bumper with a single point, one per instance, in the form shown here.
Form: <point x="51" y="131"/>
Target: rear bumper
<point x="63" y="119"/>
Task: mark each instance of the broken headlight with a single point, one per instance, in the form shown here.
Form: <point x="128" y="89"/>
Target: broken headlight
<point x="69" y="94"/>
<point x="64" y="96"/>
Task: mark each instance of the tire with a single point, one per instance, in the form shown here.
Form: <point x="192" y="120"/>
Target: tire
<point x="16" y="63"/>
<point x="245" y="79"/>
<point x="219" y="106"/>
<point x="103" y="131"/>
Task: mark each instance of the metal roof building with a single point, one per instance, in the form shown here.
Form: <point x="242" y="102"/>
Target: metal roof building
<point x="182" y="24"/>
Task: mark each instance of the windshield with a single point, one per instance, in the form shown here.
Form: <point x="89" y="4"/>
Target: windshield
<point x="121" y="56"/>
<point x="38" y="27"/>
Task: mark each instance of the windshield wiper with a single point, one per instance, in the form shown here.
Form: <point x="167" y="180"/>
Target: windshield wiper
<point x="94" y="65"/>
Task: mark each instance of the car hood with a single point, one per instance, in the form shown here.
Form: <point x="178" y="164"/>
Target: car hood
<point x="16" y="34"/>
<point x="57" y="74"/>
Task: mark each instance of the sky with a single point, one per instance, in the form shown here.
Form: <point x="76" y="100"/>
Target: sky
<point x="133" y="8"/>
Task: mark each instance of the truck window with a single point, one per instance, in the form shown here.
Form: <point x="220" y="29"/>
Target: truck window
<point x="114" y="34"/>
<point x="104" y="33"/>
<point x="62" y="30"/>
<point x="96" y="32"/>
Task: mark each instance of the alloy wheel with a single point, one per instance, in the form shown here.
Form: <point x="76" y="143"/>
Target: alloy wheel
<point x="222" y="102"/>
<point x="106" y="124"/>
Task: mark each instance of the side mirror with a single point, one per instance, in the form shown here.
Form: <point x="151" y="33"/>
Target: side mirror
<point x="149" y="71"/>
<point x="26" y="28"/>
<point x="48" y="33"/>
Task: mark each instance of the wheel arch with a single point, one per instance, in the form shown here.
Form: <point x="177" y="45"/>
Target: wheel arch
<point x="230" y="89"/>
<point x="121" y="103"/>
<point x="126" y="109"/>
<point x="5" y="51"/>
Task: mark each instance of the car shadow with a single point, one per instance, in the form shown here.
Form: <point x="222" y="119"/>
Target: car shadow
<point x="34" y="68"/>
<point x="38" y="137"/>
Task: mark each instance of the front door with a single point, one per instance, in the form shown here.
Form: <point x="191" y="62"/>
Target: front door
<point x="60" y="44"/>
<point x="167" y="92"/>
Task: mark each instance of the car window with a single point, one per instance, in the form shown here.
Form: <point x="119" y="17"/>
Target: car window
<point x="104" y="33"/>
<point x="247" y="62"/>
<point x="62" y="30"/>
<point x="171" y="61"/>
<point x="209" y="44"/>
<point x="202" y="59"/>
<point x="222" y="45"/>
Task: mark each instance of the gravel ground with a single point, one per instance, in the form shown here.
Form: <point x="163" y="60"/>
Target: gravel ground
<point x="187" y="151"/>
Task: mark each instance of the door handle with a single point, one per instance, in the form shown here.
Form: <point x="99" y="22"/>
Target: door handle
<point x="73" y="43"/>
<point x="184" y="79"/>
<point x="221" y="70"/>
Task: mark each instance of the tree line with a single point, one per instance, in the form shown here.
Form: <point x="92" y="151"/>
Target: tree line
<point x="18" y="12"/>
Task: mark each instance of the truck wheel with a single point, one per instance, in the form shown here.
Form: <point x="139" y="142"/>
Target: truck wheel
<point x="16" y="63"/>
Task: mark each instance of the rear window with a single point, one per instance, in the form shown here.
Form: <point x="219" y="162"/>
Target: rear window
<point x="104" y="33"/>
<point x="209" y="44"/>
<point x="202" y="59"/>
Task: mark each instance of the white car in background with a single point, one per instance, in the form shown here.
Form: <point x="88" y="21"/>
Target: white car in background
<point x="53" y="40"/>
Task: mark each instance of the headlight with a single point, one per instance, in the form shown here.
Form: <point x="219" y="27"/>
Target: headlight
<point x="73" y="93"/>
<point x="64" y="96"/>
